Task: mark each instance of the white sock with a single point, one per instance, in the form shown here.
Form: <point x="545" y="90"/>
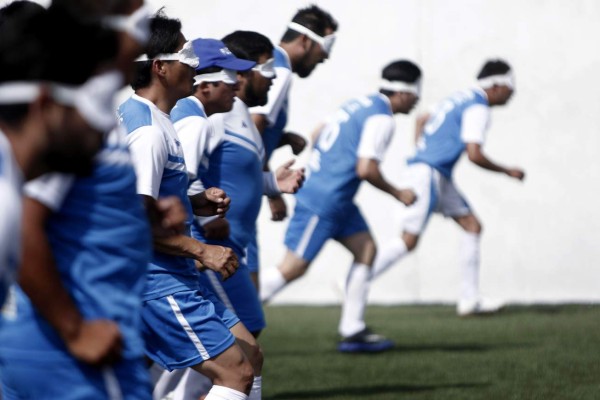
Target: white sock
<point x="355" y="301"/>
<point x="191" y="386"/>
<point x="166" y="382"/>
<point x="224" y="393"/>
<point x="469" y="266"/>
<point x="256" y="391"/>
<point x="392" y="252"/>
<point x="271" y="282"/>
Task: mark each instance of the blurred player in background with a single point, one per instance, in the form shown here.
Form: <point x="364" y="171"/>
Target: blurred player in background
<point x="307" y="42"/>
<point x="457" y="125"/>
<point x="348" y="150"/>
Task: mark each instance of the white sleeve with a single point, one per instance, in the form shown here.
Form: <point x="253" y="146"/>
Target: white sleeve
<point x="149" y="154"/>
<point x="277" y="95"/>
<point x="50" y="189"/>
<point x="376" y="136"/>
<point x="475" y="122"/>
<point x="214" y="130"/>
<point x="270" y="187"/>
<point x="193" y="134"/>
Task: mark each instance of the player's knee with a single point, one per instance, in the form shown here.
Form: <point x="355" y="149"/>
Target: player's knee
<point x="242" y="375"/>
<point x="256" y="357"/>
<point x="410" y="241"/>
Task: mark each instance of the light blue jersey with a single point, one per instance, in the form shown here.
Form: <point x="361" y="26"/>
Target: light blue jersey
<point x="332" y="180"/>
<point x="276" y="109"/>
<point x="99" y="237"/>
<point x="234" y="163"/>
<point x="161" y="172"/>
<point x="227" y="152"/>
<point x="444" y="138"/>
<point x="100" y="241"/>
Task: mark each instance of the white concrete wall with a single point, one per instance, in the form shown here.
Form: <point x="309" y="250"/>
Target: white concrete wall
<point x="539" y="242"/>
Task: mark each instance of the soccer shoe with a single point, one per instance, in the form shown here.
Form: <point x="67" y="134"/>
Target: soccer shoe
<point x="478" y="307"/>
<point x="365" y="341"/>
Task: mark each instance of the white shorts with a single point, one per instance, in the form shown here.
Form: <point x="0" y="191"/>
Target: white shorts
<point x="435" y="193"/>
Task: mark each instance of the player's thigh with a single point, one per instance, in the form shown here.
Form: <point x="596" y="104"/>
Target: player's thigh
<point x="307" y="232"/>
<point x="453" y="204"/>
<point x="421" y="178"/>
<point x="353" y="233"/>
<point x="182" y="330"/>
<point x="239" y="294"/>
<point x="228" y="367"/>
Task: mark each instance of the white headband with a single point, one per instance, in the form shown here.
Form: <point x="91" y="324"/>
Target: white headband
<point x="137" y="25"/>
<point x="185" y="56"/>
<point x="266" y="69"/>
<point x="227" y="76"/>
<point x="399" y="86"/>
<point x="19" y="92"/>
<point x="93" y="100"/>
<point x="497" y="80"/>
<point x="325" y="42"/>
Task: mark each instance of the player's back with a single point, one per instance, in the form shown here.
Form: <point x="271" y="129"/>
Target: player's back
<point x="332" y="179"/>
<point x="440" y="144"/>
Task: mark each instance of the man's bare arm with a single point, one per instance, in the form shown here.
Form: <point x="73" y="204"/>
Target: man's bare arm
<point x="368" y="169"/>
<point x="476" y="156"/>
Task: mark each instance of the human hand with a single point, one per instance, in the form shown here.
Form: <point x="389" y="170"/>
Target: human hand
<point x="97" y="342"/>
<point x="217" y="229"/>
<point x="278" y="208"/>
<point x="289" y="180"/>
<point x="170" y="217"/>
<point x="213" y="201"/>
<point x="220" y="259"/>
<point x="516" y="173"/>
<point x="406" y="196"/>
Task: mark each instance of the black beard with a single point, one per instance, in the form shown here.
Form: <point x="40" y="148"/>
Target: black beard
<point x="79" y="164"/>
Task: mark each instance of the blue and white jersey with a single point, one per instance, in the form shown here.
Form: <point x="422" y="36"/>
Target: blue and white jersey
<point x="160" y="168"/>
<point x="276" y="109"/>
<point x="460" y="119"/>
<point x="361" y="128"/>
<point x="231" y="160"/>
<point x="101" y="244"/>
<point x="11" y="182"/>
<point x="196" y="134"/>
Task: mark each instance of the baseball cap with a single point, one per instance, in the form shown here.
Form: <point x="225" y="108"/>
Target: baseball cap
<point x="214" y="53"/>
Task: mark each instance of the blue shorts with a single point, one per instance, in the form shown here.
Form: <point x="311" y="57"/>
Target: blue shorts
<point x="182" y="330"/>
<point x="307" y="232"/>
<point x="239" y="295"/>
<point x="227" y="316"/>
<point x="68" y="379"/>
<point x="252" y="254"/>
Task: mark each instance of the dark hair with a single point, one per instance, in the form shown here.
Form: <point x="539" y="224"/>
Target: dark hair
<point x="32" y="48"/>
<point x="313" y="18"/>
<point x="248" y="45"/>
<point x="164" y="38"/>
<point x="401" y="70"/>
<point x="493" y="67"/>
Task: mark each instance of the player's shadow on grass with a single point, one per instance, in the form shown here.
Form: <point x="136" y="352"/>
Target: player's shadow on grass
<point x="459" y="347"/>
<point x="358" y="392"/>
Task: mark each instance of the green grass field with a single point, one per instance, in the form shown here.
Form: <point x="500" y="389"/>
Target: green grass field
<point x="533" y="352"/>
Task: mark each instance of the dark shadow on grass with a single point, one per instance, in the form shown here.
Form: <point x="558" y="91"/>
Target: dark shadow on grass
<point x="371" y="391"/>
<point x="410" y="348"/>
<point x="459" y="347"/>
